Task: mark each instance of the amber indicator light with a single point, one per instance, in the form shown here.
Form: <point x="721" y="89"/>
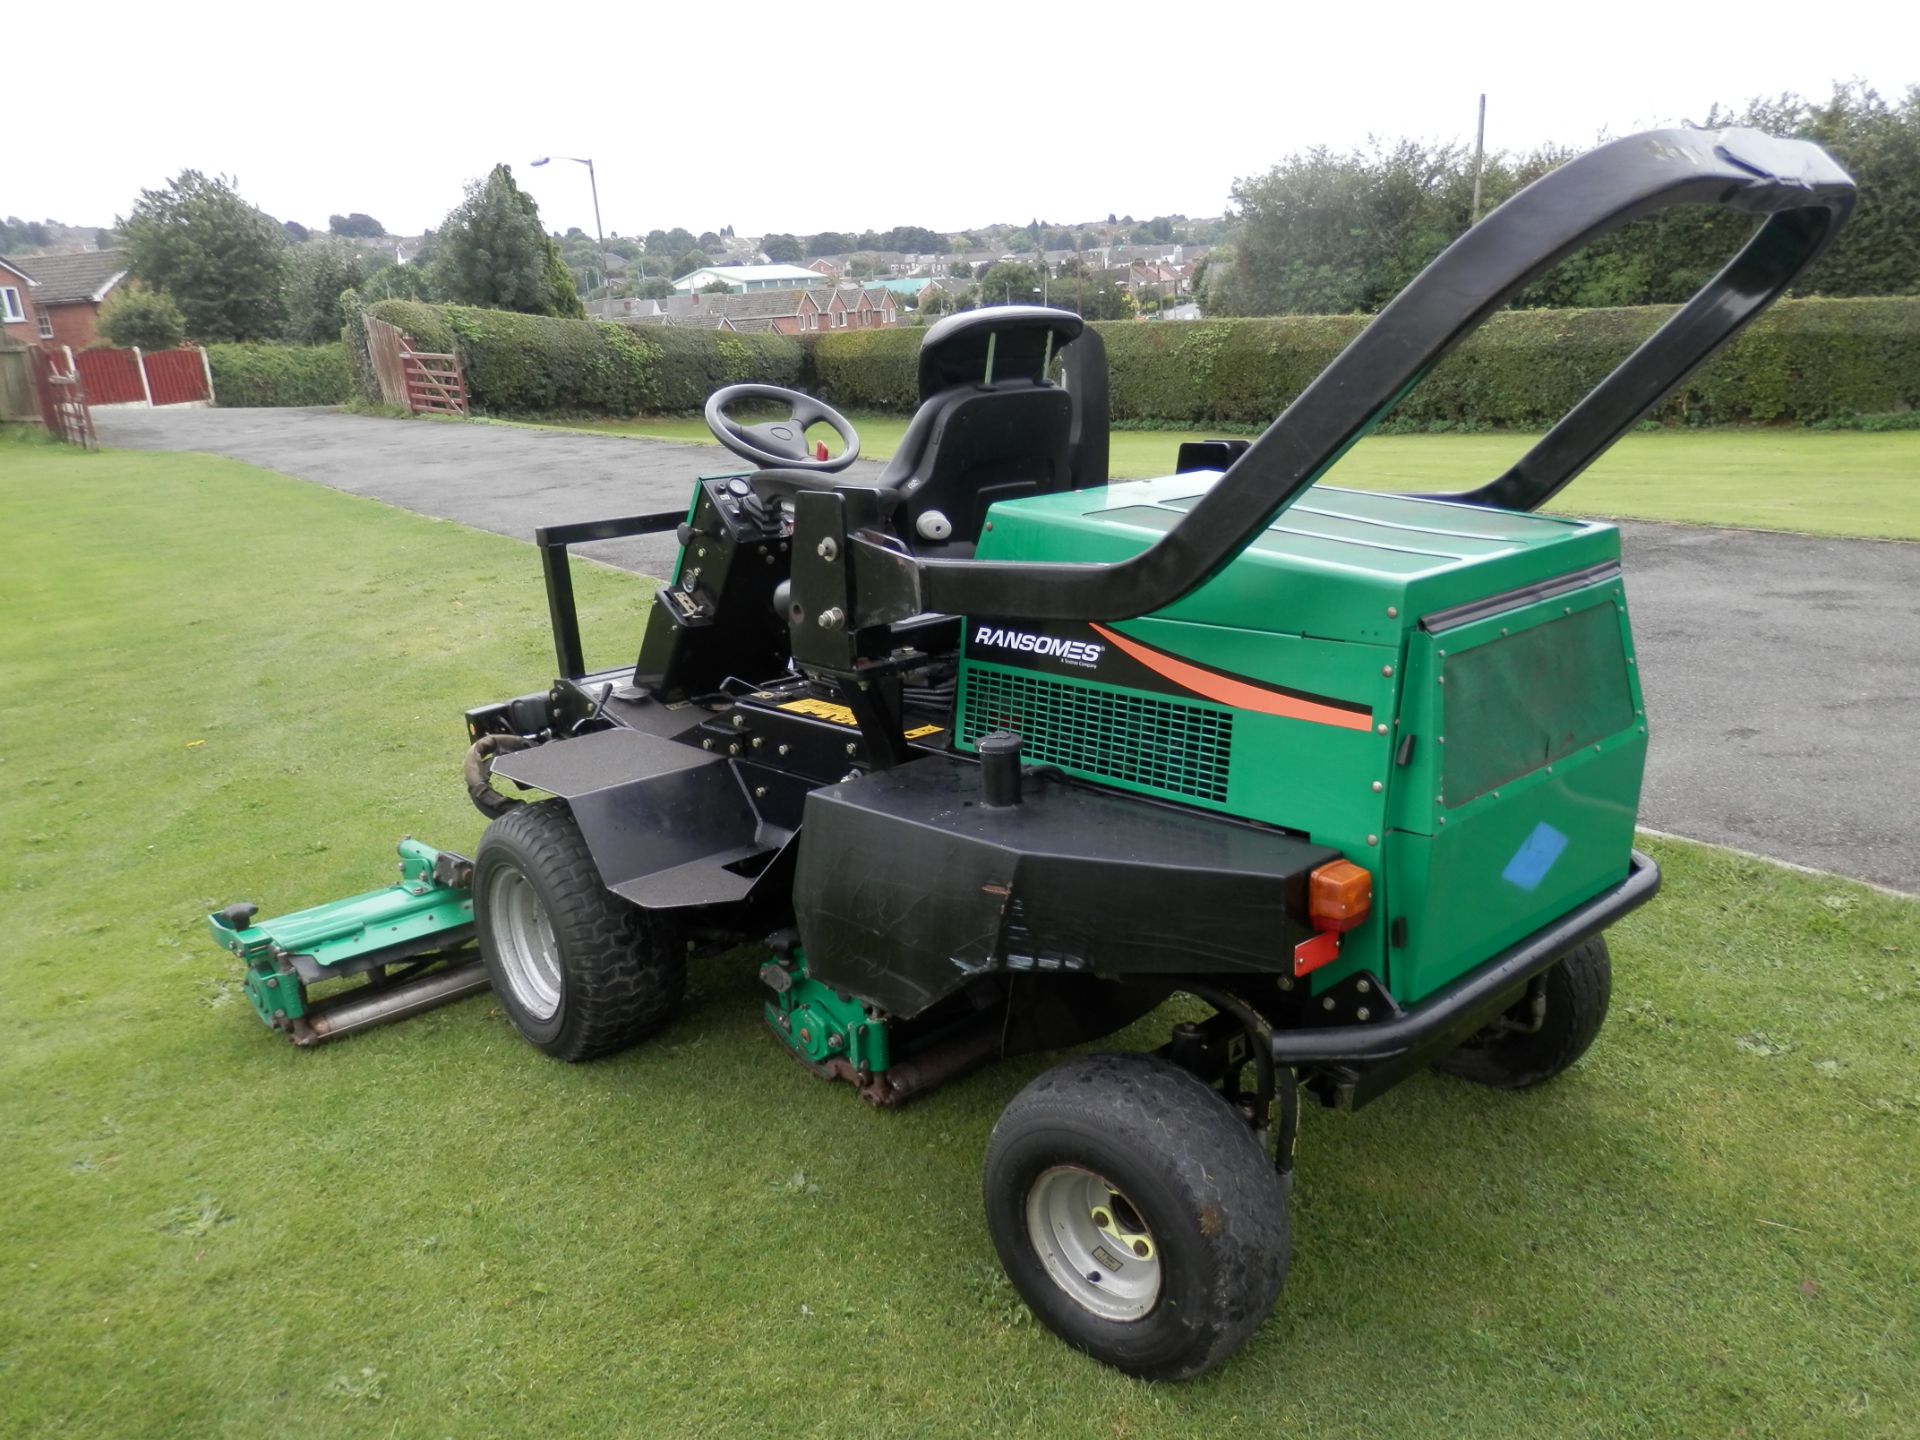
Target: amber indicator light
<point x="1339" y="895"/>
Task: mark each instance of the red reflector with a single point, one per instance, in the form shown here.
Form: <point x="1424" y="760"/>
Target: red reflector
<point x="1310" y="955"/>
<point x="819" y="449"/>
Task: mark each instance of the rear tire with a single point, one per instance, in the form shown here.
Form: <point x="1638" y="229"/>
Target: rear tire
<point x="578" y="970"/>
<point x="1128" y="1169"/>
<point x="1578" y="990"/>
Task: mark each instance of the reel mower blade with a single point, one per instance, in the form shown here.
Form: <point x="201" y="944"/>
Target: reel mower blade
<point x="398" y="938"/>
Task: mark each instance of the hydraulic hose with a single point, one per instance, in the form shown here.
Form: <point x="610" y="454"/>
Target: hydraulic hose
<point x="479" y="774"/>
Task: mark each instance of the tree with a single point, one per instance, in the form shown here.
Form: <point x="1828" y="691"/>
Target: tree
<point x="650" y="288"/>
<point x="679" y="241"/>
<point x="1010" y="283"/>
<point x="146" y="318"/>
<point x="492" y="251"/>
<point x="1096" y="297"/>
<point x="400" y="282"/>
<point x="911" y="239"/>
<point x="716" y="287"/>
<point x="830" y="242"/>
<point x="356" y="225"/>
<point x="1329" y="233"/>
<point x="296" y="232"/>
<point x="711" y="243"/>
<point x="689" y="262"/>
<point x="221" y="260"/>
<point x="315" y="278"/>
<point x="18" y="234"/>
<point x="782" y="249"/>
<point x="564" y="288"/>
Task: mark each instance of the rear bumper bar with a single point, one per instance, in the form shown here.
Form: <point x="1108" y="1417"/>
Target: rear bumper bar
<point x="1476" y="997"/>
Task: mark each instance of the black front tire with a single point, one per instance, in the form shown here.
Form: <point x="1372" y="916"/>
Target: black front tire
<point x="1579" y="988"/>
<point x="608" y="973"/>
<point x="1181" y="1164"/>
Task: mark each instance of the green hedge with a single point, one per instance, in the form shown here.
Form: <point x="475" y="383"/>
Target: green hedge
<point x="534" y="365"/>
<point x="246" y="375"/>
<point x="867" y="369"/>
<point x="1804" y="361"/>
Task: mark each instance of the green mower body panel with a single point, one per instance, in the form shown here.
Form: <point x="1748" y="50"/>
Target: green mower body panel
<point x="1305" y="687"/>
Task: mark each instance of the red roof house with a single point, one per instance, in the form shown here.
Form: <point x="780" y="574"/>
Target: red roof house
<point x="56" y="299"/>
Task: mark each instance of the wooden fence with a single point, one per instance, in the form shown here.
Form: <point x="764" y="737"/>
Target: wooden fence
<point x="112" y="377"/>
<point x="16" y="386"/>
<point x="136" y="377"/>
<point x="178" y="377"/>
<point x="420" y="381"/>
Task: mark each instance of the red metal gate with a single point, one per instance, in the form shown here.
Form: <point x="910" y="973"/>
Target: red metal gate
<point x="176" y="377"/>
<point x="111" y="377"/>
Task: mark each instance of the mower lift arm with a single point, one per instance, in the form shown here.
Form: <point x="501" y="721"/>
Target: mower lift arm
<point x="1802" y="195"/>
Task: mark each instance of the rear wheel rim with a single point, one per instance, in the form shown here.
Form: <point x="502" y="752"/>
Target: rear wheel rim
<point x="523" y="939"/>
<point x="1093" y="1243"/>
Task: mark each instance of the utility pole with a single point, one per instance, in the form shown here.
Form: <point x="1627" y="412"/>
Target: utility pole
<point x="599" y="255"/>
<point x="1479" y="155"/>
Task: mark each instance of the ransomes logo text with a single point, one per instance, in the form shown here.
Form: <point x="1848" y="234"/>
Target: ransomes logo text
<point x="1074" y="652"/>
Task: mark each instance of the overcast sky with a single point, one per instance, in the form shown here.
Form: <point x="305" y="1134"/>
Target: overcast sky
<point x="853" y="115"/>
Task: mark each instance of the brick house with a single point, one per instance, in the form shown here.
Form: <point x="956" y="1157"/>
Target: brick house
<point x="861" y="308"/>
<point x="60" y="304"/>
<point x="19" y="322"/>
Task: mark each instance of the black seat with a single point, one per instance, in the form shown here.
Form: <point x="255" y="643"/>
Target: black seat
<point x="991" y="426"/>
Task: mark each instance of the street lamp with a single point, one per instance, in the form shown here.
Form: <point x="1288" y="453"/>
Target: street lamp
<point x="600" y="263"/>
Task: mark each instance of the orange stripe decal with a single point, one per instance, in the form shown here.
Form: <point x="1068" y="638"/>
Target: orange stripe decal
<point x="1240" y="694"/>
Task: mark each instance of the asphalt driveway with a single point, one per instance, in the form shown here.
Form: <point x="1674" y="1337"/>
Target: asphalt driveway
<point x="1782" y="673"/>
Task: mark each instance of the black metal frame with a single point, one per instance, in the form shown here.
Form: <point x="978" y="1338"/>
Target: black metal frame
<point x="562" y="612"/>
<point x="1800" y="194"/>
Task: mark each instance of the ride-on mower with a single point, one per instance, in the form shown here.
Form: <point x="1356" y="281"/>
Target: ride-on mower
<point x="988" y="755"/>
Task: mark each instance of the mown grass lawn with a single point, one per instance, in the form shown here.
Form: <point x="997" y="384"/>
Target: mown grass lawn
<point x="1819" y="483"/>
<point x="224" y="684"/>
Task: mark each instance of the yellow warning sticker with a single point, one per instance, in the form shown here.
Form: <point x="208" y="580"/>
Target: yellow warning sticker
<point x="841" y="715"/>
<point x="823" y="710"/>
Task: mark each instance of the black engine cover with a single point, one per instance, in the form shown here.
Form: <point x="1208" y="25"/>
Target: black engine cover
<point x="909" y="886"/>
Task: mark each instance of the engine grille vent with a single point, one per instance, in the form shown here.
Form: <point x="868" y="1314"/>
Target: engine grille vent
<point x="1168" y="745"/>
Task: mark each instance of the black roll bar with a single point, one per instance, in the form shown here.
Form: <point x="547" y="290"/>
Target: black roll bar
<point x="562" y="613"/>
<point x="1801" y="195"/>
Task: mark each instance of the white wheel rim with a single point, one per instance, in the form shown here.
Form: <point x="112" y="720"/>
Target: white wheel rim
<point x="1093" y="1243"/>
<point x="523" y="939"/>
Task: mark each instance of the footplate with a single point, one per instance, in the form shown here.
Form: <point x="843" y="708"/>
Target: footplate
<point x="409" y="941"/>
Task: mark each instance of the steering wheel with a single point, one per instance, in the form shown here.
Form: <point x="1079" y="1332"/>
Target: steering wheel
<point x="780" y="444"/>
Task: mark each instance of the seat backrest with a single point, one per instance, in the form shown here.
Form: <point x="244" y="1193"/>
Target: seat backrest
<point x="991" y="425"/>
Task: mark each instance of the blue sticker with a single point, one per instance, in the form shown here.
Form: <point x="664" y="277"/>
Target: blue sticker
<point x="1535" y="857"/>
